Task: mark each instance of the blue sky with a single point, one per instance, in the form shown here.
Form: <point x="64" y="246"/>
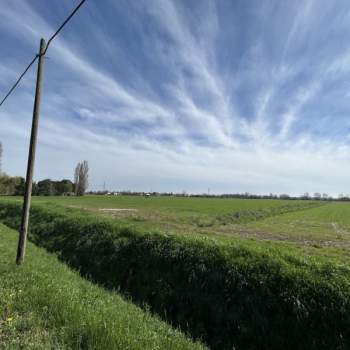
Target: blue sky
<point x="165" y="95"/>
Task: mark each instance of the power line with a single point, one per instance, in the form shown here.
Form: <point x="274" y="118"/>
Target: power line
<point x="18" y="80"/>
<point x="63" y="24"/>
<point x="36" y="57"/>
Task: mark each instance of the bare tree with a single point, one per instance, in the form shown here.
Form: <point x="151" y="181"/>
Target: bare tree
<point x="81" y="176"/>
<point x="76" y="178"/>
<point x="1" y="149"/>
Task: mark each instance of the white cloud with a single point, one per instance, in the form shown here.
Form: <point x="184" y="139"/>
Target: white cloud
<point x="189" y="131"/>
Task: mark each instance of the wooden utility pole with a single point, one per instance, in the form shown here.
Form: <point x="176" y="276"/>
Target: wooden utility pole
<point x="0" y="158"/>
<point x="31" y="158"/>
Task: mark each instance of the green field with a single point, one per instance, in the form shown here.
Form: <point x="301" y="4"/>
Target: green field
<point x="233" y="273"/>
<point x="44" y="305"/>
<point x="306" y="223"/>
<point x="176" y="213"/>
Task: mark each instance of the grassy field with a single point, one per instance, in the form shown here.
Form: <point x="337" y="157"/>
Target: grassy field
<point x="202" y="215"/>
<point x="328" y="225"/>
<point x="312" y="227"/>
<point x="303" y="222"/>
<point x="44" y="305"/>
<point x="185" y="206"/>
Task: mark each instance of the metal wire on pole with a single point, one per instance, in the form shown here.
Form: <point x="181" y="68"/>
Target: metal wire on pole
<point x="18" y="80"/>
<point x="23" y="232"/>
<point x="62" y="25"/>
<point x="44" y="52"/>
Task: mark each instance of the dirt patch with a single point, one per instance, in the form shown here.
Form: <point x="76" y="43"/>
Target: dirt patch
<point x="76" y="207"/>
<point x="116" y="209"/>
<point x="117" y="213"/>
<point x="339" y="230"/>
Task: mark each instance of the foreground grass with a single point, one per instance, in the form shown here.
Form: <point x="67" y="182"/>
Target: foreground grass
<point x="44" y="305"/>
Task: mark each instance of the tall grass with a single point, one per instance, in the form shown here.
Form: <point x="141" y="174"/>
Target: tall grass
<point x="44" y="305"/>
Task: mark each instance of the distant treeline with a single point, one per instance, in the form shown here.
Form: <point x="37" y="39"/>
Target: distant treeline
<point x="305" y="196"/>
<point x="15" y="185"/>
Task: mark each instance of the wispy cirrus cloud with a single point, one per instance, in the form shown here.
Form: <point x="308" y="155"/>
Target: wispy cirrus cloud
<point x="169" y="95"/>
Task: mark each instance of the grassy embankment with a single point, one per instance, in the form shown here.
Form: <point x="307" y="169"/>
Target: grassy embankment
<point x="240" y="293"/>
<point x="44" y="305"/>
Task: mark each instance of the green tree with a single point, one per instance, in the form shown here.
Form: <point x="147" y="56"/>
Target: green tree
<point x="63" y="186"/>
<point x="20" y="184"/>
<point x="45" y="188"/>
<point x="11" y="185"/>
